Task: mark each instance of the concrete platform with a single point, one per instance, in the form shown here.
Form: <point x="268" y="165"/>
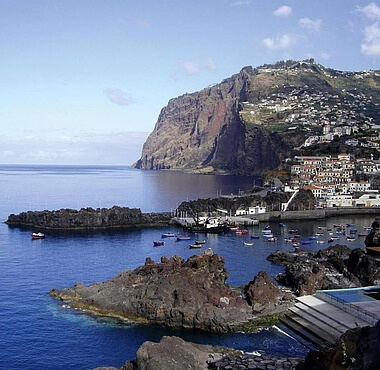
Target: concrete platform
<point x="321" y="323"/>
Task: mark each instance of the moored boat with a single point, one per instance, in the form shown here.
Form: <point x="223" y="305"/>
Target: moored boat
<point x="183" y="237"/>
<point x="157" y="243"/>
<point x="39" y="235"/>
<point x="200" y="242"/>
<point x="167" y="235"/>
<point x="193" y="246"/>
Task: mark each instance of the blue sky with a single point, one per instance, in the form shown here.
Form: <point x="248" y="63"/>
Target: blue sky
<point x="83" y="81"/>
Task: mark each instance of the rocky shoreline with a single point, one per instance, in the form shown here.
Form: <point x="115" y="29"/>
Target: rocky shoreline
<point x="194" y="294"/>
<point x="89" y="218"/>
<point x="178" y="293"/>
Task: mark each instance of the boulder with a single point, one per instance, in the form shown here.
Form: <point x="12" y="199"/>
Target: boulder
<point x="332" y="268"/>
<point x="174" y="292"/>
<point x="264" y="295"/>
<point x="357" y="349"/>
<point x="373" y="237"/>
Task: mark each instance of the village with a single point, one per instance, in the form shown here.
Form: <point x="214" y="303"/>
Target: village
<point x="330" y="179"/>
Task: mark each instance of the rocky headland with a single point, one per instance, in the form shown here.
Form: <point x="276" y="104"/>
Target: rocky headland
<point x="175" y="292"/>
<point x="89" y="218"/>
<point x="256" y="119"/>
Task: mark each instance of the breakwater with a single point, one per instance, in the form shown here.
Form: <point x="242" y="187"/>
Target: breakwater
<point x="89" y="218"/>
<point x="315" y="214"/>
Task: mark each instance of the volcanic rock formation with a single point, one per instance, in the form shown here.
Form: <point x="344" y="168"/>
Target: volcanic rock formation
<point x="175" y="292"/>
<point x="332" y="268"/>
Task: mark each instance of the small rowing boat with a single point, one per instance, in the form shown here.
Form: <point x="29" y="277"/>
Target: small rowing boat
<point x="158" y="243"/>
<point x="36" y="236"/>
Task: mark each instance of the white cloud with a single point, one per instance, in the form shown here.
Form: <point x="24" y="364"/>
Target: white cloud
<point x="193" y="67"/>
<point x="209" y="64"/>
<point x="283" y="11"/>
<point x="86" y="148"/>
<point x="310" y="24"/>
<point x="189" y="67"/>
<point x="142" y="23"/>
<point x="280" y="42"/>
<point x="371" y="44"/>
<point x="371" y="11"/>
<point x="325" y="56"/>
<point x="119" y="97"/>
<point x="240" y="3"/>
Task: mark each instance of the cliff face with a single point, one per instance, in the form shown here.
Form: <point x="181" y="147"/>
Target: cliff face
<point x="204" y="131"/>
<point x="255" y="119"/>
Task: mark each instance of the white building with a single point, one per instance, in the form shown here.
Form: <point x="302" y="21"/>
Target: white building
<point x="342" y="200"/>
<point x="368" y="200"/>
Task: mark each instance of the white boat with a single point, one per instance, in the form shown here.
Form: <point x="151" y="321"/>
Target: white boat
<point x="38" y="236"/>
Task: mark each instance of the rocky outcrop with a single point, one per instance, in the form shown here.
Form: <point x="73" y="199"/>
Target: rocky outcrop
<point x="88" y="218"/>
<point x="373" y="237"/>
<point x="173" y="353"/>
<point x="174" y="292"/>
<point x="265" y="296"/>
<point x="357" y="349"/>
<point x="332" y="268"/>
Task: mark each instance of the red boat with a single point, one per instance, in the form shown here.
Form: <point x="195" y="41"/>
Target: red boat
<point x="158" y="243"/>
<point x="36" y="236"/>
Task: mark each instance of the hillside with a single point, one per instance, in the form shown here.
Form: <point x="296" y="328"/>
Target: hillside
<point x="254" y="120"/>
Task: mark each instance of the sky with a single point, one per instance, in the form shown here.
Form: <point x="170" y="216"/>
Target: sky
<point x="83" y="81"/>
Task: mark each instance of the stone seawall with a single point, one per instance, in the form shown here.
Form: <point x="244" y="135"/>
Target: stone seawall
<point x="315" y="214"/>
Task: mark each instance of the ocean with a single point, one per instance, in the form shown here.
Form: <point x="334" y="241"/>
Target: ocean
<point x="38" y="331"/>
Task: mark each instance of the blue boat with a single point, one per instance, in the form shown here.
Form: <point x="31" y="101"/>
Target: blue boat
<point x="167" y="235"/>
<point x="255" y="237"/>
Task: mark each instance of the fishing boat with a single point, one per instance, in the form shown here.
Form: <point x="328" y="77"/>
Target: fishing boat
<point x="350" y="238"/>
<point x="362" y="234"/>
<point x="242" y="232"/>
<point x="39" y="235"/>
<point x="272" y="239"/>
<point x="167" y="235"/>
<point x="194" y="246"/>
<point x="293" y="231"/>
<point x="255" y="237"/>
<point x="183" y="237"/>
<point x="209" y="225"/>
<point x="157" y="243"/>
<point x="248" y="244"/>
<point x="305" y="242"/>
<point x="353" y="231"/>
<point x="200" y="242"/>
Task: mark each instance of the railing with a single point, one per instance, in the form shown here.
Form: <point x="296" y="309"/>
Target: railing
<point x="354" y="310"/>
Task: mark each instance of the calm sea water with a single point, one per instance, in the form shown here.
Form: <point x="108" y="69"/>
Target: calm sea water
<point x="39" y="332"/>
